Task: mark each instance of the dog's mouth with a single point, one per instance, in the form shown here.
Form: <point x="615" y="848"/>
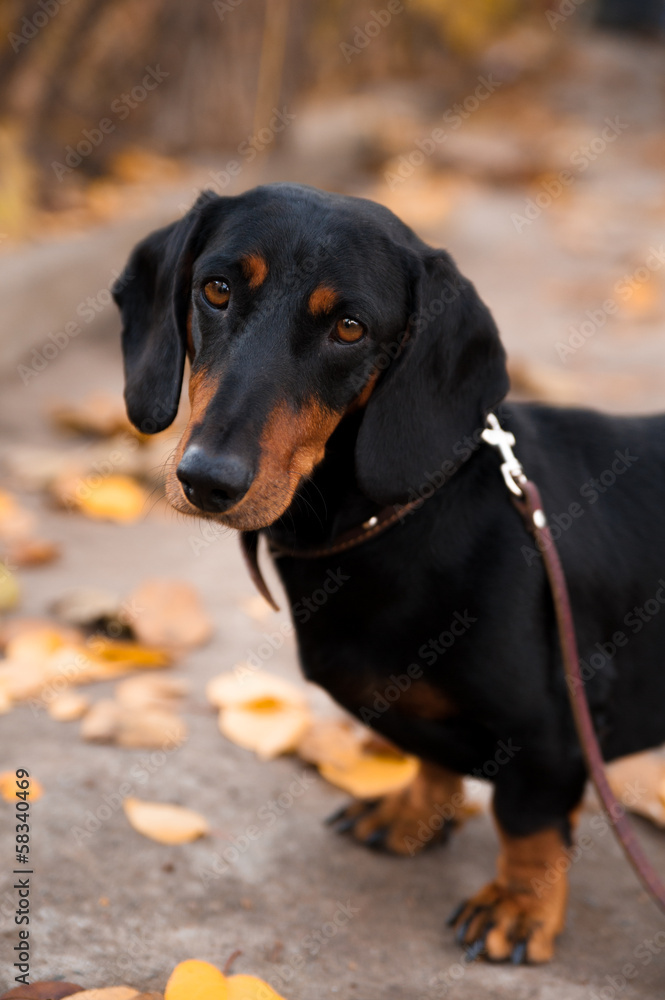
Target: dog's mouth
<point x="292" y="444"/>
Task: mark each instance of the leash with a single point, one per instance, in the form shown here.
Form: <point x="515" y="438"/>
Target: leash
<point x="527" y="499"/>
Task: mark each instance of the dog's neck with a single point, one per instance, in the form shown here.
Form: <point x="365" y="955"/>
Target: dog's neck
<point x="331" y="501"/>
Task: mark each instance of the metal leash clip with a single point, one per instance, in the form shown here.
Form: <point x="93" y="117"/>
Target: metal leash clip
<point x="511" y="468"/>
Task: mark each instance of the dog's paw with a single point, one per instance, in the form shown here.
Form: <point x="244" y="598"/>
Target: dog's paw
<point x="500" y="923"/>
<point x="406" y="822"/>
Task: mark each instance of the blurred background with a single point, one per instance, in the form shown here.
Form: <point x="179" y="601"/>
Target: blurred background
<point x="525" y="136"/>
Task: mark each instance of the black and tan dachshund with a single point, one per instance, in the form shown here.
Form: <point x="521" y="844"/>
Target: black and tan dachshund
<point x="340" y="366"/>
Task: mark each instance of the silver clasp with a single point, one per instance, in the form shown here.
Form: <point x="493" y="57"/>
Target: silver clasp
<point x="511" y="468"/>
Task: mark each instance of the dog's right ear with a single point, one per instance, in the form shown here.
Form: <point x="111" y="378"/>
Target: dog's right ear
<point x="153" y="294"/>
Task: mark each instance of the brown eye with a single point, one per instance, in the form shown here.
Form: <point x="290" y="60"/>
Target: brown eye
<point x="217" y="293"/>
<point x="349" y="330"/>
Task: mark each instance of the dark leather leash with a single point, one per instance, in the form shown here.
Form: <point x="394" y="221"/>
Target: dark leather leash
<point x="527" y="500"/>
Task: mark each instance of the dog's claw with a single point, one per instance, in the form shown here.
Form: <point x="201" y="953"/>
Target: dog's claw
<point x="336" y="815"/>
<point x="456" y="913"/>
<point x="463" y="927"/>
<point x="377" y="838"/>
<point x="344" y="825"/>
<point x="475" y="949"/>
<point x="518" y="953"/>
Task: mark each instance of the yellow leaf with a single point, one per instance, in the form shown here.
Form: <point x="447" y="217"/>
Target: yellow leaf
<point x="638" y="782"/>
<point x="193" y="980"/>
<point x="250" y="988"/>
<point x="245" y="686"/>
<point x="117" y="498"/>
<point x="269" y="728"/>
<point x="10" y="593"/>
<point x="331" y="741"/>
<point x="165" y="823"/>
<point x="373" y="775"/>
<point x="9" y="788"/>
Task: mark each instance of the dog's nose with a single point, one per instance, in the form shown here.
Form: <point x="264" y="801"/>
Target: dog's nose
<point x="213" y="484"/>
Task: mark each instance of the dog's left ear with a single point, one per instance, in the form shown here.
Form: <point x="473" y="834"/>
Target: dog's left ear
<point x="152" y="294"/>
<point x="435" y="395"/>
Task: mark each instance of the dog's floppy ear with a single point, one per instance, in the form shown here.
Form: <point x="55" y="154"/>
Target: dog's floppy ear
<point x="152" y="294"/>
<point x="435" y="395"/>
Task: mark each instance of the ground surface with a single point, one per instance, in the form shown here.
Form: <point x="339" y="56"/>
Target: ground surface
<point x="114" y="907"/>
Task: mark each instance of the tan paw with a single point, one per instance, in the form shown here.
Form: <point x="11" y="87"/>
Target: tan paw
<point x="405" y="822"/>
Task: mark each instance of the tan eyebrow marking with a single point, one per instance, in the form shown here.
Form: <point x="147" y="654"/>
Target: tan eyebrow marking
<point x="255" y="268"/>
<point x="322" y="300"/>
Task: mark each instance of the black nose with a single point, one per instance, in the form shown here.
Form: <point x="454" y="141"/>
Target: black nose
<point x="213" y="484"/>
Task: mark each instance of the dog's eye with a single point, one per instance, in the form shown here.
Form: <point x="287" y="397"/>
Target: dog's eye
<point x="217" y="293"/>
<point x="349" y="331"/>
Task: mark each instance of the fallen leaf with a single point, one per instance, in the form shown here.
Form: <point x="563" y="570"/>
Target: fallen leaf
<point x="150" y="691"/>
<point x="638" y="782"/>
<point x="45" y="990"/>
<point x="243" y="987"/>
<point x="99" y="413"/>
<point x="268" y="727"/>
<point x="165" y="823"/>
<point x="108" y="993"/>
<point x="247" y="686"/>
<point x="194" y="980"/>
<point x="68" y="707"/>
<point x="170" y="614"/>
<point x="20" y="626"/>
<point x="101" y="723"/>
<point x="333" y="742"/>
<point x="373" y="775"/>
<point x="116" y="498"/>
<point x="9" y="788"/>
<point x="10" y="592"/>
<point x="15" y="521"/>
<point x="149" y="729"/>
<point x="86" y="606"/>
<point x="33" y="552"/>
<point x="256" y="607"/>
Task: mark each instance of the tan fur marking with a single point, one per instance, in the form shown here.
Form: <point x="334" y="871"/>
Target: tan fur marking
<point x="322" y="300"/>
<point x="255" y="268"/>
<point x="425" y="702"/>
<point x="363" y="397"/>
<point x="415" y="817"/>
<point x="527" y="900"/>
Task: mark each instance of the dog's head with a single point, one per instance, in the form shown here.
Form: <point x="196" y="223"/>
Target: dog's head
<point x="298" y="308"/>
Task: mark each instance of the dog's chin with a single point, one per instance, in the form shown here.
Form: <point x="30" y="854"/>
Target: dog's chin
<point x="249" y="515"/>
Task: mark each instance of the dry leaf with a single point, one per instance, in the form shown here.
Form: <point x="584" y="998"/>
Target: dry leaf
<point x="194" y="980"/>
<point x="10" y="592"/>
<point x="638" y="782"/>
<point x="150" y="691"/>
<point x="331" y="741"/>
<point x="99" y="413"/>
<point x="102" y="722"/>
<point x="256" y="607"/>
<point x="32" y="552"/>
<point x="19" y="626"/>
<point x="43" y="991"/>
<point x="165" y="823"/>
<point x="269" y="728"/>
<point x="116" y="498"/>
<point x="15" y="521"/>
<point x="108" y="993"/>
<point x="247" y="686"/>
<point x="9" y="788"/>
<point x="373" y="775"/>
<point x="170" y="614"/>
<point x="116" y="656"/>
<point x="150" y="729"/>
<point x="68" y="707"/>
<point x="86" y="606"/>
<point x="242" y="987"/>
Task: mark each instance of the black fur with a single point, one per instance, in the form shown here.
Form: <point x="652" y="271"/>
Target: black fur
<point x="463" y="557"/>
